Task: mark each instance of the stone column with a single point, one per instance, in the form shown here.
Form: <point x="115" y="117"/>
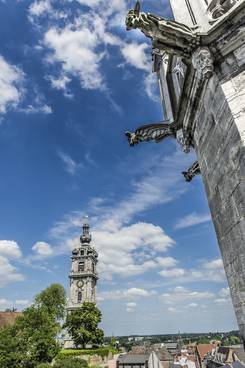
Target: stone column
<point x="220" y="145"/>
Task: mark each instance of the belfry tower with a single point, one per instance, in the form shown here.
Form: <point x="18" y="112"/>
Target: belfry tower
<point x="83" y="276"/>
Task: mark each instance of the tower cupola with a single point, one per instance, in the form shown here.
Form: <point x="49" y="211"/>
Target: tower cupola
<point x="86" y="236"/>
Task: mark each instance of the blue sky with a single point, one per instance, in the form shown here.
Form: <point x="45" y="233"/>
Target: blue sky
<point x="72" y="81"/>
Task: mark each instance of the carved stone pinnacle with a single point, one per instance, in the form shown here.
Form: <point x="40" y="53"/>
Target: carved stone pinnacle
<point x="202" y="61"/>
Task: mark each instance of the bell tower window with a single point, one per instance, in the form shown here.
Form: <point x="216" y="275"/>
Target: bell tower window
<point x="79" y="297"/>
<point x="80" y="266"/>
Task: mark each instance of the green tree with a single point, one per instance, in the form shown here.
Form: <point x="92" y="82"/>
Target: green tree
<point x="53" y="298"/>
<point x="82" y="325"/>
<point x="70" y="362"/>
<point x="113" y="342"/>
<point x="233" y="340"/>
<point x="32" y="339"/>
<point x="203" y="340"/>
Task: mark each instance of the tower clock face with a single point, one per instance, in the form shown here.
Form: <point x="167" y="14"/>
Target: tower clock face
<point x="80" y="283"/>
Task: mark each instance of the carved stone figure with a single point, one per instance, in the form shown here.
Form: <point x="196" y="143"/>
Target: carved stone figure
<point x="192" y="171"/>
<point x="202" y="61"/>
<point x="156" y="132"/>
<point x="183" y="140"/>
<point x="217" y="8"/>
<point x="170" y="36"/>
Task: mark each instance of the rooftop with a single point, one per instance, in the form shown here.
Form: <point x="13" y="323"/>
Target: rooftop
<point x="133" y="358"/>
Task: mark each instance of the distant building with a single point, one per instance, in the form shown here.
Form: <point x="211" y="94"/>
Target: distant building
<point x="163" y="356"/>
<point x="172" y="347"/>
<point x="8" y="318"/>
<point x="184" y="362"/>
<point x="133" y="361"/>
<point x="150" y="359"/>
<point x="83" y="275"/>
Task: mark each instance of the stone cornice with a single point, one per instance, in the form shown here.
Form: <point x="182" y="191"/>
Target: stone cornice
<point x="202" y="58"/>
<point x="223" y="38"/>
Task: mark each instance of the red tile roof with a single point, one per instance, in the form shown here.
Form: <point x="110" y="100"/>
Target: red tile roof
<point x="203" y="349"/>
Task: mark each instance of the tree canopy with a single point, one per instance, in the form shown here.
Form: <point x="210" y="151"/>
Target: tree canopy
<point x="82" y="325"/>
<point x="53" y="298"/>
<point x="32" y="339"/>
<point x="70" y="362"/>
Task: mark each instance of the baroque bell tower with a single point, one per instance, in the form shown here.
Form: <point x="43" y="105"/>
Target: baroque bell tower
<point x="83" y="275"/>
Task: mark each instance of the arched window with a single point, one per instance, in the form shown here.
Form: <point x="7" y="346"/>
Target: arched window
<point x="80" y="266"/>
<point x="79" y="297"/>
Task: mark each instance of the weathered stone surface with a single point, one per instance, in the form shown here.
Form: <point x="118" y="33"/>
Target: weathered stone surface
<point x="220" y="146"/>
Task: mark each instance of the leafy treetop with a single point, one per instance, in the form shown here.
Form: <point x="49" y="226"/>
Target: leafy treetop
<point x="82" y="325"/>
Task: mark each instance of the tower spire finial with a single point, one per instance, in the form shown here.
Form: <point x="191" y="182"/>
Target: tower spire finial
<point x="86" y="236"/>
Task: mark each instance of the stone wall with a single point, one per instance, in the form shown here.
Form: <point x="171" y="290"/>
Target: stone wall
<point x="219" y="140"/>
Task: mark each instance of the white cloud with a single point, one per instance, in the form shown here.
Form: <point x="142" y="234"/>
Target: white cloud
<point x="22" y="302"/>
<point x="82" y="44"/>
<point x="69" y="164"/>
<point x="211" y="270"/>
<point x="167" y="262"/>
<point x="13" y="93"/>
<point x="5" y="302"/>
<point x="225" y="293"/>
<point x="151" y="87"/>
<point x="40" y="7"/>
<point x="90" y="3"/>
<point x="192" y="305"/>
<point x="131" y="305"/>
<point x="130" y="310"/>
<point x="8" y="272"/>
<point x="135" y="55"/>
<point x="174" y="272"/>
<point x="214" y="264"/>
<point x="61" y="83"/>
<point x="75" y="49"/>
<point x="32" y="109"/>
<point x="172" y="310"/>
<point x="42" y="249"/>
<point x="130" y="294"/>
<point x="224" y="297"/>
<point x="117" y="242"/>
<point x="10" y="249"/>
<point x="11" y="89"/>
<point x="191" y="220"/>
<point x="179" y="295"/>
<point x="138" y="56"/>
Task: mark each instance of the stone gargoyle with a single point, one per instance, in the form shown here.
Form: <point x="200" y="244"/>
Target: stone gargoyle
<point x="156" y="132"/>
<point x="170" y="36"/>
<point x="192" y="171"/>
